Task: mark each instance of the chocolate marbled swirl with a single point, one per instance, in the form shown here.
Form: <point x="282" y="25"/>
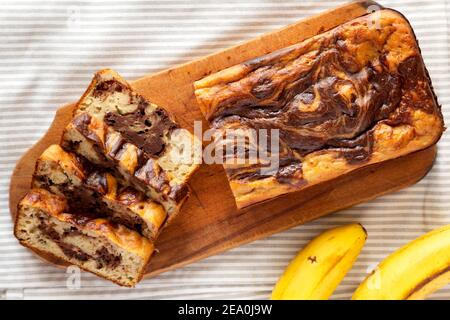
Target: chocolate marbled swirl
<point x="355" y="95"/>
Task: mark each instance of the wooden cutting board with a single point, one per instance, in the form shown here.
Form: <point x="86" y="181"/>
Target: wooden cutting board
<point x="209" y="222"/>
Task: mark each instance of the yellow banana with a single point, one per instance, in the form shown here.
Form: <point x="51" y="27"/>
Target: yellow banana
<point x="319" y="268"/>
<point x="412" y="272"/>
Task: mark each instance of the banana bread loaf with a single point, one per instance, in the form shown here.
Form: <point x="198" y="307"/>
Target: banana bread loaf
<point x="353" y="96"/>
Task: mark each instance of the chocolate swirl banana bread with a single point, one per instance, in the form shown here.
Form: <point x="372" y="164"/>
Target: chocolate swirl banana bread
<point x="353" y="96"/>
<point x="115" y="127"/>
<point x="90" y="189"/>
<point x="94" y="244"/>
<point x="100" y="199"/>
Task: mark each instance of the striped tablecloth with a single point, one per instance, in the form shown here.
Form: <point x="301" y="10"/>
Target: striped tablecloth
<point x="48" y="53"/>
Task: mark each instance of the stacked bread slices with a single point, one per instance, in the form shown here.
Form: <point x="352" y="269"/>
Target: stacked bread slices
<point x="100" y="199"/>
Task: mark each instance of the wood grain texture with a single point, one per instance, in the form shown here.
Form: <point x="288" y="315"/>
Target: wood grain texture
<point x="209" y="222"/>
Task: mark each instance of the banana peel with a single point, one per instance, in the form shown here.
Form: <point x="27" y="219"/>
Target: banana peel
<point x="412" y="272"/>
<point x="318" y="268"/>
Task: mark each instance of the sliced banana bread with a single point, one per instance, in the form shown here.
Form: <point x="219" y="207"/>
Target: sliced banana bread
<point x="115" y="127"/>
<point x="88" y="188"/>
<point x="96" y="245"/>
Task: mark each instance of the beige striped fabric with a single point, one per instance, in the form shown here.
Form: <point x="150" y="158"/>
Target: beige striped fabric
<point x="48" y="53"/>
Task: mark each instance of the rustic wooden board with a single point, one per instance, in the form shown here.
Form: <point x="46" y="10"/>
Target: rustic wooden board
<point x="209" y="222"/>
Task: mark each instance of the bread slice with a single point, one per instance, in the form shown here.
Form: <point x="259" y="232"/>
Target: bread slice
<point x="115" y="127"/>
<point x="108" y="250"/>
<point x="87" y="188"/>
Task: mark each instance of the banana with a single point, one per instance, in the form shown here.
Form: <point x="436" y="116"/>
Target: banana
<point x="412" y="272"/>
<point x="318" y="269"/>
